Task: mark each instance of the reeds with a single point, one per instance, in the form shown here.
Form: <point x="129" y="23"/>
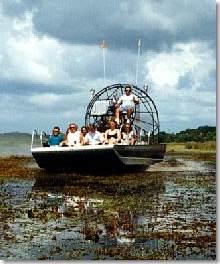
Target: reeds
<point x="208" y="145"/>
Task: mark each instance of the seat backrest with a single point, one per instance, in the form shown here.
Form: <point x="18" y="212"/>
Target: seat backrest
<point x="100" y="107"/>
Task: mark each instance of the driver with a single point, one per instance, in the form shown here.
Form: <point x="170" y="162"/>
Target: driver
<point x="126" y="103"/>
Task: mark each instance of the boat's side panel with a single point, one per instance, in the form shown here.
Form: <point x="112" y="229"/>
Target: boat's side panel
<point x="88" y="160"/>
<point x="155" y="151"/>
<point x="101" y="158"/>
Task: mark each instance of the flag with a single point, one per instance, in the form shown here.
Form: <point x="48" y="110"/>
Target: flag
<point x="103" y="44"/>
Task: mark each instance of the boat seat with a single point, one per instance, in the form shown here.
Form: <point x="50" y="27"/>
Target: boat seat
<point x="101" y="107"/>
<point x="149" y="137"/>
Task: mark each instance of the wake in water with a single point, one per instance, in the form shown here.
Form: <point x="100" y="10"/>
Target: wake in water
<point x="171" y="163"/>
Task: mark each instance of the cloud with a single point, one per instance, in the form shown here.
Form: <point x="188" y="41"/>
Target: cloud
<point x="45" y="63"/>
<point x="24" y="56"/>
<point x="182" y="82"/>
<point x="25" y="113"/>
<point x="159" y="23"/>
<point x="33" y="63"/>
<point x="193" y="61"/>
<point x="47" y="99"/>
<point x="50" y="58"/>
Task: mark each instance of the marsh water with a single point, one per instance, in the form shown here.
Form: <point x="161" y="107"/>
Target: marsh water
<point x="167" y="212"/>
<point x="15" y="144"/>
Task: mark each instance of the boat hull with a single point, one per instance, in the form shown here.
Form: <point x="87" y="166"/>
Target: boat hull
<point x="104" y="158"/>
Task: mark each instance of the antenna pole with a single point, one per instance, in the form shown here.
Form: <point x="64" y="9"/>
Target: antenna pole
<point x="103" y="54"/>
<point x="138" y="57"/>
<point x="103" y="47"/>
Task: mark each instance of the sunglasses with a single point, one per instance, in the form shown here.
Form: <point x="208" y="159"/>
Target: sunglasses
<point x="127" y="90"/>
<point x="72" y="127"/>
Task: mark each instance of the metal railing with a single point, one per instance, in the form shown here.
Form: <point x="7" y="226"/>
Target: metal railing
<point x="41" y="136"/>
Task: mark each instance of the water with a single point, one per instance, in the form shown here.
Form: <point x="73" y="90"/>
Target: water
<point x="168" y="212"/>
<point x="15" y="144"/>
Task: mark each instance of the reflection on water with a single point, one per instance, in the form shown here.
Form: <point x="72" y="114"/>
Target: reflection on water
<point x="153" y="215"/>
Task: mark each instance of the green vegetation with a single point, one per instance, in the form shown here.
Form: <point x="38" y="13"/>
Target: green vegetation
<point x="209" y="146"/>
<point x="201" y="139"/>
<point x="200" y="134"/>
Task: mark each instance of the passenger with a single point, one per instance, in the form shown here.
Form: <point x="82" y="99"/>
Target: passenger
<point x="112" y="135"/>
<point x="72" y="137"/>
<point x="83" y="133"/>
<point x="126" y="103"/>
<point x="56" y="138"/>
<point x="102" y="130"/>
<point x="127" y="135"/>
<point x="93" y="137"/>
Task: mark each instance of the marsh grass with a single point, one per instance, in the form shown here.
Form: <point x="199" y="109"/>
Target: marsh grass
<point x="16" y="166"/>
<point x="177" y="209"/>
<point x="208" y="146"/>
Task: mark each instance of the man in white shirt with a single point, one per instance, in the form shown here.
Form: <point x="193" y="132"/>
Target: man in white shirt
<point x="72" y="136"/>
<point x="93" y="137"/>
<point x="126" y="103"/>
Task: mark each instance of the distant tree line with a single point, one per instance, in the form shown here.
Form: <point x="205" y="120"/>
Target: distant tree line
<point x="200" y="134"/>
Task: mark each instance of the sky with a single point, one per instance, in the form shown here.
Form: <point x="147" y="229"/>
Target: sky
<point x="50" y="58"/>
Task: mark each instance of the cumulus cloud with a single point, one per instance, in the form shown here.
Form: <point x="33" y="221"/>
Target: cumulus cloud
<point x="26" y="56"/>
<point x="159" y="23"/>
<point x="182" y="83"/>
<point x="195" y="61"/>
<point x="45" y="63"/>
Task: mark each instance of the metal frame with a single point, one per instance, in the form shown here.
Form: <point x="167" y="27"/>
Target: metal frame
<point x="35" y="135"/>
<point x="139" y="123"/>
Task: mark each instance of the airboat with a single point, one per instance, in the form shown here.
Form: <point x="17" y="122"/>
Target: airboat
<point x="107" y="158"/>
